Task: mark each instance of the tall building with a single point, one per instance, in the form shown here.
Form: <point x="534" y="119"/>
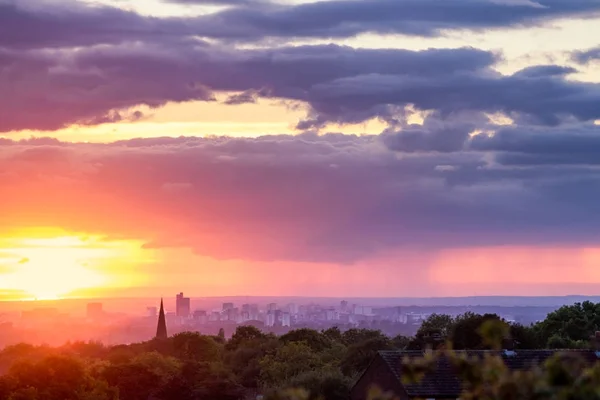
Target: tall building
<point x="271" y="306"/>
<point x="344" y="306"/>
<point x="95" y="310"/>
<point x="201" y="316"/>
<point x="161" y="329"/>
<point x="270" y="318"/>
<point x="286" y="319"/>
<point x="182" y="306"/>
<point x="293" y="308"/>
<point x="228" y="306"/>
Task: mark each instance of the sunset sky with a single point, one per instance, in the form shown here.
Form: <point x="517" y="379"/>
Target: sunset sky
<point x="321" y="148"/>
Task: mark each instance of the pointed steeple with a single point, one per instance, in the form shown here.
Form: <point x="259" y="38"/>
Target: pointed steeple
<point x="161" y="330"/>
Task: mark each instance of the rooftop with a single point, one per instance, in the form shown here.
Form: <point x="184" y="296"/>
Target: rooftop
<point x="443" y="381"/>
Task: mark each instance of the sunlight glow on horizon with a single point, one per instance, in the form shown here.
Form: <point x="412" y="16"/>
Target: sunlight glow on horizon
<point x="48" y="268"/>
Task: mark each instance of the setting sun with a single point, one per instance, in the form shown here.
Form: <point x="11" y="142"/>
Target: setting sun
<point x="52" y="267"/>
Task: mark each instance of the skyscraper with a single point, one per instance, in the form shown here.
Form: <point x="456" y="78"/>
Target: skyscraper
<point x="161" y="330"/>
<point x="182" y="307"/>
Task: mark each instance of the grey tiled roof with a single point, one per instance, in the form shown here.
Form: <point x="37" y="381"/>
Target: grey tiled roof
<point x="444" y="383"/>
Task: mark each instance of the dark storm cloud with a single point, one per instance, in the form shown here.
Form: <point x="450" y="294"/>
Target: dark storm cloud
<point x="38" y="24"/>
<point x="49" y="90"/>
<point x="535" y="98"/>
<point x="338" y="198"/>
<point x="542" y="146"/>
<point x="434" y="134"/>
<point x="346" y="18"/>
<point x="35" y="25"/>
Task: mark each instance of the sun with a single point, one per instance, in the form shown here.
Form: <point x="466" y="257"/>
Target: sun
<point x="51" y="268"/>
<point x="47" y="268"/>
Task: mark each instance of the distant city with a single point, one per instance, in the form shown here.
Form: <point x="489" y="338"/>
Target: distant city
<point x="117" y="321"/>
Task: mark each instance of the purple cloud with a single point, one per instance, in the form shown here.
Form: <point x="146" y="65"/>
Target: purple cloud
<point x="334" y="197"/>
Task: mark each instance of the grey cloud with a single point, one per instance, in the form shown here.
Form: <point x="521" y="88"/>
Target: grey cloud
<point x="47" y="91"/>
<point x="587" y="56"/>
<point x="277" y="197"/>
<point x="549" y="146"/>
<point x="343" y="18"/>
<point x="435" y="134"/>
<point x="540" y="99"/>
<point x="36" y="24"/>
<point x="540" y="71"/>
<point x="248" y="96"/>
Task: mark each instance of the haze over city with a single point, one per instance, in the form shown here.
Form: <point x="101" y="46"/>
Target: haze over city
<point x="331" y="149"/>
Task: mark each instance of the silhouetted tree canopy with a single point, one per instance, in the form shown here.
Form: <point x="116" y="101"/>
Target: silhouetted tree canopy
<point x="192" y="366"/>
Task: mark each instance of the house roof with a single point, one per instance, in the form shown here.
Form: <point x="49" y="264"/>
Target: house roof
<point x="443" y="382"/>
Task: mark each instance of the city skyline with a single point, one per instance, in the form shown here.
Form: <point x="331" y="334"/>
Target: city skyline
<point x="368" y="148"/>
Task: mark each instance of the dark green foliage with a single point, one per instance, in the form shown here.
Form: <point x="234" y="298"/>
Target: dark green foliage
<point x="290" y="360"/>
<point x="191" y="366"/>
<point x="314" y="339"/>
<point x="329" y="385"/>
<point x="573" y="324"/>
<point x="244" y="335"/>
<point x="244" y="360"/>
<point x="525" y="337"/>
<point x="54" y="378"/>
<point x="133" y="381"/>
<point x="466" y="331"/>
<point x="400" y="342"/>
<point x="360" y="354"/>
<point x="334" y="334"/>
<point x="196" y="347"/>
<point x="354" y="335"/>
<point x="202" y="381"/>
<point x="442" y="323"/>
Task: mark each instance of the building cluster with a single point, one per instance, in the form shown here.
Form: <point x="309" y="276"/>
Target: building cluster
<point x="286" y="315"/>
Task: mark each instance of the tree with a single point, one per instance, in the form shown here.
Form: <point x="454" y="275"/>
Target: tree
<point x="197" y="347"/>
<point x="400" y="342"/>
<point x="289" y="361"/>
<point x="314" y="339"/>
<point x="202" y="381"/>
<point x="55" y="378"/>
<point x="244" y="361"/>
<point x="442" y="323"/>
<point x="244" y="335"/>
<point x="466" y="331"/>
<point x="334" y="334"/>
<point x="359" y="355"/>
<point x="525" y="337"/>
<point x="165" y="367"/>
<point x="354" y="335"/>
<point x="327" y="384"/>
<point x="134" y="381"/>
<point x="577" y="322"/>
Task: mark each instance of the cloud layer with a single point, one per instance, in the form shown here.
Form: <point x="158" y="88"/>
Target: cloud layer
<point x="458" y="178"/>
<point x="334" y="198"/>
<point x="71" y="64"/>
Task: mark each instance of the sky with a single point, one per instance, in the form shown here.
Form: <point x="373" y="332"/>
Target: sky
<point x="319" y="148"/>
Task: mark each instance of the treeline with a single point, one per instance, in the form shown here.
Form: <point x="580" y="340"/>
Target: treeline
<point x="191" y="366"/>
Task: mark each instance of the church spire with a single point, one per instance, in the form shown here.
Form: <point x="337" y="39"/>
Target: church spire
<point x="161" y="330"/>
